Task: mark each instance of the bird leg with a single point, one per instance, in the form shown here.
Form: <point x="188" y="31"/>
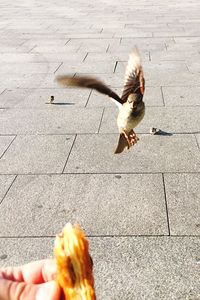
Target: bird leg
<point x="131" y="138"/>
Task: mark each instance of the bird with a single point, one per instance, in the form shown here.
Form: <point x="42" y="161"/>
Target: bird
<point x="131" y="105"/>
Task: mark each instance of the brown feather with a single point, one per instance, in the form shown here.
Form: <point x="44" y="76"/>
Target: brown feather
<point x="134" y="78"/>
<point x="88" y="82"/>
<point x="122" y="144"/>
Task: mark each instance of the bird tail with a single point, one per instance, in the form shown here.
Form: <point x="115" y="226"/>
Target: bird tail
<point x="122" y="144"/>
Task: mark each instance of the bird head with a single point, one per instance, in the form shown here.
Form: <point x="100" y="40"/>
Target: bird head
<point x="135" y="101"/>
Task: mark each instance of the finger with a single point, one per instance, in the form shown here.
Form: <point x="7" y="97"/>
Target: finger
<point x="34" y="272"/>
<point x="13" y="290"/>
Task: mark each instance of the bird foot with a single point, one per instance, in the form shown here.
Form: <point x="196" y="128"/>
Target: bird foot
<point x="131" y="138"/>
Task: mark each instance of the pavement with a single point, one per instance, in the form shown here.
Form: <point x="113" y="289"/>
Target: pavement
<point x="141" y="209"/>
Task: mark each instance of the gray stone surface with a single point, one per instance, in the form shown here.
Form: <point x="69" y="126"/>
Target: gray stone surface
<point x="50" y="120"/>
<point x="28" y="68"/>
<point x="168" y="119"/>
<point x="85" y="67"/>
<point x="181" y="96"/>
<point x="127" y="204"/>
<point x="183" y="198"/>
<point x="77" y="136"/>
<point x="36" y="154"/>
<point x="5" y="182"/>
<point x="94" y="153"/>
<point x="141" y="267"/>
<point x="39" y="98"/>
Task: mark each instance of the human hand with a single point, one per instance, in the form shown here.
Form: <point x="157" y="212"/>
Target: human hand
<point x="33" y="281"/>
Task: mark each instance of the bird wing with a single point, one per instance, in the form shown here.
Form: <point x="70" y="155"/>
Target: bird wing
<point x="134" y="77"/>
<point x="88" y="82"/>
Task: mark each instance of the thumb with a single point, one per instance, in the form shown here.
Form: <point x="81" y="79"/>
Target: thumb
<point x="13" y="290"/>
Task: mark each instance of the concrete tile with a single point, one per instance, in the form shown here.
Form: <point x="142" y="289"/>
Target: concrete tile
<point x="176" y="153"/>
<point x="18" y="251"/>
<point x="52" y="120"/>
<point x="153" y="97"/>
<point x="54" y="49"/>
<point x="182" y="192"/>
<point x="5" y="182"/>
<point x="181" y="96"/>
<point x="63" y="57"/>
<point x="168" y="119"/>
<point x="194" y="67"/>
<point x="149" y="267"/>
<point x="4" y="143"/>
<point x="172" y="79"/>
<point x="37" y="98"/>
<point x="142" y="210"/>
<point x="29" y="68"/>
<point x="128" y="32"/>
<point x="36" y="154"/>
<point x="173" y="55"/>
<point x="95" y="67"/>
<point x="107" y="57"/>
<point x="93" y="45"/>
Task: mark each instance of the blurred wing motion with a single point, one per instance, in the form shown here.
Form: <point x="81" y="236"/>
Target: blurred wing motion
<point x="74" y="264"/>
<point x="134" y="77"/>
<point x="88" y="82"/>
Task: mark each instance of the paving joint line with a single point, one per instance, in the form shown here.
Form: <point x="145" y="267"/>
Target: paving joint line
<point x="69" y="154"/>
<point x="58" y="67"/>
<point x="166" y="204"/>
<point x="116" y="63"/>
<point x="198" y="145"/>
<point x="162" y="94"/>
<point x="104" y="236"/>
<point x="8" y="189"/>
<point x="101" y="120"/>
<point x="88" y="98"/>
<point x="99" y="173"/>
<point x="85" y="56"/>
<point x="8" y="145"/>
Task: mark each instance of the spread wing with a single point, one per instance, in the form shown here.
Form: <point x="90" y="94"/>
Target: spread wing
<point x="134" y="77"/>
<point x="88" y="82"/>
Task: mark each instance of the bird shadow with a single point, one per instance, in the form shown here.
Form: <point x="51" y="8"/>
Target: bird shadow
<point x="163" y="133"/>
<point x="61" y="103"/>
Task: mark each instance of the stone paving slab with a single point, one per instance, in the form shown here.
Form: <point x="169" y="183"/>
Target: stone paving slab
<point x="158" y="69"/>
<point x="5" y="141"/>
<point x="5" y="182"/>
<point x="172" y="79"/>
<point x="172" y="55"/>
<point x="36" y="154"/>
<point x="141" y="267"/>
<point x="127" y="205"/>
<point x="41" y="57"/>
<point x="153" y="97"/>
<point x="181" y="96"/>
<point x="182" y="192"/>
<point x="94" y="154"/>
<point x="38" y="98"/>
<point x="29" y="68"/>
<point x="95" y="67"/>
<point x="168" y="119"/>
<point x="50" y="120"/>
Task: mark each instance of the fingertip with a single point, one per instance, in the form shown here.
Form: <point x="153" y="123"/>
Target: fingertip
<point x="49" y="290"/>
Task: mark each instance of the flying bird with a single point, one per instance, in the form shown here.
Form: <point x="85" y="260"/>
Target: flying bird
<point x="130" y="104"/>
